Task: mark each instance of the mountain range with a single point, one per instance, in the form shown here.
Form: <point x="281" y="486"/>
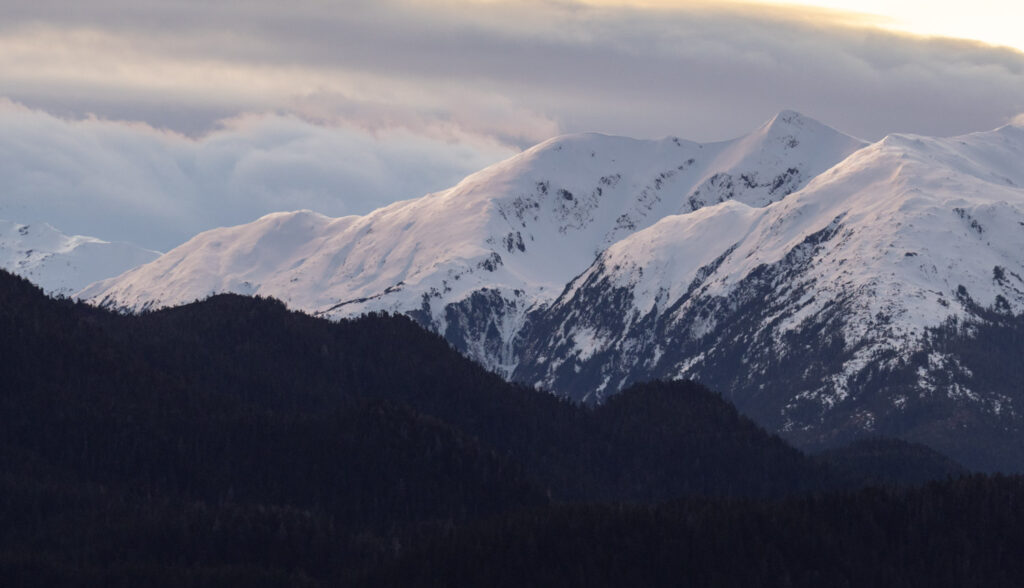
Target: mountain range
<point x="829" y="287"/>
<point x="471" y="262"/>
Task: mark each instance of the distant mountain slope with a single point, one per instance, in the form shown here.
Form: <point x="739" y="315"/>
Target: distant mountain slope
<point x="470" y="261"/>
<point x="822" y="315"/>
<point x="61" y="264"/>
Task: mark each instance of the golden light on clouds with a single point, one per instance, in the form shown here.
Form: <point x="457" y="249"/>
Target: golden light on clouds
<point x="518" y="71"/>
<point x="996" y="22"/>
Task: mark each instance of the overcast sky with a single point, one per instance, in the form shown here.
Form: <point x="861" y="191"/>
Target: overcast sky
<point x="149" y="121"/>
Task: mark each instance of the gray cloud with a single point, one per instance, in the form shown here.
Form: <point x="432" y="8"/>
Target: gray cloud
<point x="364" y="102"/>
<point x="131" y="182"/>
<point x="707" y="71"/>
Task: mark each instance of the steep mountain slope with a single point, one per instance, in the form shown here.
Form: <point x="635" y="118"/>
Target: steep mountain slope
<point x="469" y="262"/>
<point x="61" y="264"/>
<point x="820" y="315"/>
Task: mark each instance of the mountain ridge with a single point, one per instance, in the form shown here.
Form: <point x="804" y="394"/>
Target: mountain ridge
<point x="835" y="294"/>
<point x="810" y="277"/>
<point x="514" y="233"/>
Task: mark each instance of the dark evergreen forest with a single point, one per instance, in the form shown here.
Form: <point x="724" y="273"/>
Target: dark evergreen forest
<point x="235" y="442"/>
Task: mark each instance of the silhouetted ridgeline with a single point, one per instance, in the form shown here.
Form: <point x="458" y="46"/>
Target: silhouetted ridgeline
<point x="879" y="460"/>
<point x="235" y="442"/>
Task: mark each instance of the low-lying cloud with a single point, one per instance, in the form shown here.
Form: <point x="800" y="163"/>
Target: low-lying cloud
<point x="131" y="182"/>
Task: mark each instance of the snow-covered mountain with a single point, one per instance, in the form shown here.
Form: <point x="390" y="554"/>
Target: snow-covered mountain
<point x="829" y="313"/>
<point x="828" y="288"/>
<point x="471" y="261"/>
<point x="62" y="264"/>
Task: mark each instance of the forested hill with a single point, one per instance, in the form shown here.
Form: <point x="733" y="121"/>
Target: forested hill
<point x="958" y="533"/>
<point x="234" y="441"/>
<point x="238" y="358"/>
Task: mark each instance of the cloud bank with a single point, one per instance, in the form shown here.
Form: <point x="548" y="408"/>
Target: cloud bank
<point x="340" y="107"/>
<point x="130" y="182"/>
<point x="518" y="71"/>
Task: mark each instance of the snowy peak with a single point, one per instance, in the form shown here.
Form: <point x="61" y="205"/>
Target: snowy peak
<point x="786" y="129"/>
<point x="471" y="261"/>
<point x="786" y="120"/>
<point x="907" y="195"/>
<point x="829" y="314"/>
<point x="574" y="194"/>
<point x="772" y="162"/>
<point x="62" y="264"/>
